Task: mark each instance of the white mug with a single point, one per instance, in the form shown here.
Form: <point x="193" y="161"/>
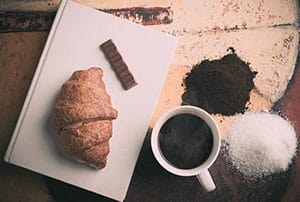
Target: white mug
<point x="201" y="171"/>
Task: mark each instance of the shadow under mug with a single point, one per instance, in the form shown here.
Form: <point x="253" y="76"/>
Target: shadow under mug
<point x="201" y="171"/>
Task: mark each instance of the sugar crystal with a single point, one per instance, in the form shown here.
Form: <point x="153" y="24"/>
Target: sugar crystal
<point x="261" y="143"/>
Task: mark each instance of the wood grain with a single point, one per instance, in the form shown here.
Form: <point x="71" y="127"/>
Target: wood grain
<point x="19" y="54"/>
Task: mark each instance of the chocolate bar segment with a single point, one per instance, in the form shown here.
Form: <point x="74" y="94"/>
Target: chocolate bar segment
<point x="118" y="64"/>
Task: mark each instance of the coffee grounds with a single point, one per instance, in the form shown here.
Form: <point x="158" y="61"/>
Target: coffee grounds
<point x="219" y="86"/>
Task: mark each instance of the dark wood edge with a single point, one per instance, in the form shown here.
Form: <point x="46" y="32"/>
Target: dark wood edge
<point x="28" y="21"/>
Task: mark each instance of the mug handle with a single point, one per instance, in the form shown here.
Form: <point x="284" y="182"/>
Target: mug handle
<point x="206" y="180"/>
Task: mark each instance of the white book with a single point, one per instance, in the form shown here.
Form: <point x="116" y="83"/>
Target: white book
<point x="73" y="44"/>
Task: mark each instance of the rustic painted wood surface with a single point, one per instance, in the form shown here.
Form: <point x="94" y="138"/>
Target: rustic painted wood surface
<point x="150" y="182"/>
<point x="19" y="54"/>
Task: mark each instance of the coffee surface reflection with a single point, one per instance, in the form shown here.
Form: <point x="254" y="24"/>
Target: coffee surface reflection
<point x="185" y="141"/>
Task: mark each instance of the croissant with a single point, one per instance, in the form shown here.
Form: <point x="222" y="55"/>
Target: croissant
<point x="82" y="117"/>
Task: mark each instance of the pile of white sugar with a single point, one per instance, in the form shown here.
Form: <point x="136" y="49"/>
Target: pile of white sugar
<point x="261" y="143"/>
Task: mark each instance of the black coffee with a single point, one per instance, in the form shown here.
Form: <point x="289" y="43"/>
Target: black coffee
<point x="186" y="141"/>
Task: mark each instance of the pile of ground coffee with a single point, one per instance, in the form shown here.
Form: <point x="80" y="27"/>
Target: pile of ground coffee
<point x="219" y="86"/>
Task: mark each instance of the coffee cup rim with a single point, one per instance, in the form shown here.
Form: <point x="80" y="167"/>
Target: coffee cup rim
<point x="186" y="109"/>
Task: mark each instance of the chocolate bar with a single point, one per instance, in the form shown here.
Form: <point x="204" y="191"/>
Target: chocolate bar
<point x="119" y="66"/>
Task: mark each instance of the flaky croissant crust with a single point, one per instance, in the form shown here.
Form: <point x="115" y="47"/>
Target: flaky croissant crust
<point x="82" y="117"/>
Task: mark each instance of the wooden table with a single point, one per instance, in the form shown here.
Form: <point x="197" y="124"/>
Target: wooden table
<point x="20" y="50"/>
